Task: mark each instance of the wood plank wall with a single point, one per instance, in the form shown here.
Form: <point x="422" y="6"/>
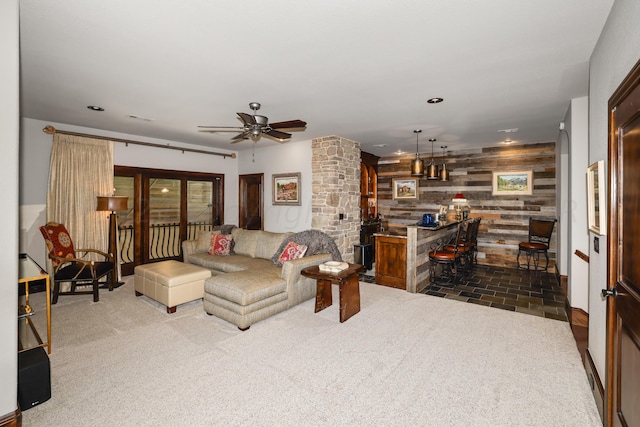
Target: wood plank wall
<point x="504" y="218"/>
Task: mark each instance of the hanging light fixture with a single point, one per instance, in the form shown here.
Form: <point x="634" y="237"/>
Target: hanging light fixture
<point x="417" y="165"/>
<point x="432" y="170"/>
<point x="444" y="173"/>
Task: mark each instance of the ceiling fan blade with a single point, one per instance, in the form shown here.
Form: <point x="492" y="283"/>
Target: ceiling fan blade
<point x="221" y="127"/>
<point x="280" y="136"/>
<point x="240" y="137"/>
<point x="247" y="118"/>
<point x="290" y="124"/>
<point x="218" y="130"/>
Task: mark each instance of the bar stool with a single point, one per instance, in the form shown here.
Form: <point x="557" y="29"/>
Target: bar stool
<point x="538" y="243"/>
<point x="446" y="258"/>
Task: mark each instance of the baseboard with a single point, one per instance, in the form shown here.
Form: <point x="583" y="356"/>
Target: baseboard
<point x="563" y="281"/>
<point x="578" y="317"/>
<point x="596" y="385"/>
<point x="12" y="420"/>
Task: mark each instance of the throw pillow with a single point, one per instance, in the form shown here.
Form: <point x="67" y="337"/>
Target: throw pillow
<point x="205" y="240"/>
<point x="221" y="244"/>
<point x="292" y="251"/>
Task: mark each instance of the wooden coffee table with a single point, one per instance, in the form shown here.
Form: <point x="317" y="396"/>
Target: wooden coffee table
<point x="348" y="283"/>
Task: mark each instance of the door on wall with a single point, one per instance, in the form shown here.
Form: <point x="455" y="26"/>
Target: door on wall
<point x="164" y="209"/>
<point x="623" y="288"/>
<point x="250" y="203"/>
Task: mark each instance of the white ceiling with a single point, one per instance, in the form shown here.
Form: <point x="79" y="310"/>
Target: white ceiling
<point x="362" y="70"/>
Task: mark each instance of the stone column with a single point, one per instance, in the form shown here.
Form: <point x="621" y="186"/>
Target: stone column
<point x="335" y="202"/>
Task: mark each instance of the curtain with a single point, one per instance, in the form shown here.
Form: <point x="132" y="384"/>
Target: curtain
<point x="80" y="170"/>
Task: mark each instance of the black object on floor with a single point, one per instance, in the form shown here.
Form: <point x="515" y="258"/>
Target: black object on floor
<point x="34" y="378"/>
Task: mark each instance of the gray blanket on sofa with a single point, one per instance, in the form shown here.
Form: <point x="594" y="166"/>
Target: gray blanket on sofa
<point x="317" y="242"/>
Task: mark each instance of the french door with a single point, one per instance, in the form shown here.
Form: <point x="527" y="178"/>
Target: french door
<point x="164" y="209"/>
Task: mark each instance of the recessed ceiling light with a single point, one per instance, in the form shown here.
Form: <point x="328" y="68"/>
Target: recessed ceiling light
<point x="380" y="145"/>
<point x="435" y="100"/>
<point x="514" y="130"/>
<point x="507" y="141"/>
<point x="95" y="108"/>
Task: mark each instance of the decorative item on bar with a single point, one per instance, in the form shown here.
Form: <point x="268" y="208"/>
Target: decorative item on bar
<point x="444" y="173"/>
<point x="432" y="170"/>
<point x="417" y="165"/>
<point x="458" y="200"/>
<point x="113" y="204"/>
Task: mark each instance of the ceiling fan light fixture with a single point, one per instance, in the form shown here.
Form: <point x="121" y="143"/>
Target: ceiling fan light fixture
<point x="417" y="164"/>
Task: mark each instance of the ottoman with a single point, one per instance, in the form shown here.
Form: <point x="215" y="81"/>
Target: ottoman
<point x="170" y="282"/>
<point x="245" y="297"/>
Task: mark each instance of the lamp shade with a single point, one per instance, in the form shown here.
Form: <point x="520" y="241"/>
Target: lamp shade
<point x="417" y="167"/>
<point x="112" y="203"/>
<point x="459" y="198"/>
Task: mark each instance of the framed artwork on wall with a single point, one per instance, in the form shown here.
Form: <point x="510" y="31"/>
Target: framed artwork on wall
<point x="596" y="198"/>
<point x="406" y="188"/>
<point x="512" y="183"/>
<point x="286" y="189"/>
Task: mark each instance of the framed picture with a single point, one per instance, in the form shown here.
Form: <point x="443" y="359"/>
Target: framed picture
<point x="595" y="198"/>
<point x="405" y="188"/>
<point x="512" y="183"/>
<point x="286" y="189"/>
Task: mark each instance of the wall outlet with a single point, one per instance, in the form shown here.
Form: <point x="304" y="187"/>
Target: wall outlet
<point x="341" y="217"/>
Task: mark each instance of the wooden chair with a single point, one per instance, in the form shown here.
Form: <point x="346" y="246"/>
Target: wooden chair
<point x="538" y="243"/>
<point x="444" y="257"/>
<point x="68" y="267"/>
<point x="467" y="246"/>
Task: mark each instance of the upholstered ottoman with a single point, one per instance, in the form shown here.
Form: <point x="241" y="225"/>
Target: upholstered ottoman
<point x="245" y="297"/>
<point x="170" y="282"/>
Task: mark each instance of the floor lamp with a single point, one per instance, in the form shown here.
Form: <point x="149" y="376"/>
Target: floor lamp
<point x="113" y="204"/>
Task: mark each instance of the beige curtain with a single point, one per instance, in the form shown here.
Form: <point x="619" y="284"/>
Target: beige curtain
<point x="81" y="169"/>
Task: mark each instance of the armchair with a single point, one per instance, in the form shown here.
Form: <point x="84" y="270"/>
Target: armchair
<point x="68" y="267"/>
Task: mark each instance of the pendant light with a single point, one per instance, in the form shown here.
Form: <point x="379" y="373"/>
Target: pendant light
<point x="417" y="165"/>
<point x="432" y="170"/>
<point x="444" y="173"/>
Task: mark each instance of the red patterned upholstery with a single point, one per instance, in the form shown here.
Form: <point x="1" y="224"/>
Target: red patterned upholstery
<point x="58" y="241"/>
<point x="71" y="268"/>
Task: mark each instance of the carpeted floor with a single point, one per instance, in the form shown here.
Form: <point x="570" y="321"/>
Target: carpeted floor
<point x="405" y="359"/>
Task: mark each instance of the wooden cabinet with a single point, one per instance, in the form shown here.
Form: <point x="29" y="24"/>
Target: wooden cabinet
<point x="391" y="261"/>
<point x="368" y="186"/>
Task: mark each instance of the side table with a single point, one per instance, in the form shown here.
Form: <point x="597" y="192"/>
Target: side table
<point x="348" y="283"/>
<point x="29" y="271"/>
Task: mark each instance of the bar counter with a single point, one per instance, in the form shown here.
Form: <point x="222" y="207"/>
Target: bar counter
<point x="418" y="240"/>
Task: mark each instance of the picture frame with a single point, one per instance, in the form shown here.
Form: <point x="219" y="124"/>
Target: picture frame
<point x="596" y="198"/>
<point x="510" y="183"/>
<point x="286" y="189"/>
<point x="404" y="188"/>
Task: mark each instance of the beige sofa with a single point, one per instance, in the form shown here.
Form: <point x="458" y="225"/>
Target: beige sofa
<point x="246" y="286"/>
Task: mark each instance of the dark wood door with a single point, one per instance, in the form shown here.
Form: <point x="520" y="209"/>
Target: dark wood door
<point x="250" y="204"/>
<point x="623" y="288"/>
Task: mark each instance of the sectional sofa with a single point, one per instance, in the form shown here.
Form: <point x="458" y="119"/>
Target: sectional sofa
<point x="249" y="284"/>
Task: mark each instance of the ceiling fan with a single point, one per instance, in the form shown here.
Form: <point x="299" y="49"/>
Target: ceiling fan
<point x="255" y="126"/>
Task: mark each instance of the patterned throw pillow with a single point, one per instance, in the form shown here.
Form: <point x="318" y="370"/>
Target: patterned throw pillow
<point x="58" y="241"/>
<point x="204" y="241"/>
<point x="292" y="251"/>
<point x="221" y="244"/>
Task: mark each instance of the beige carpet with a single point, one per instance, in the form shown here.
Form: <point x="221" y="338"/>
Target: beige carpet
<point x="405" y="359"/>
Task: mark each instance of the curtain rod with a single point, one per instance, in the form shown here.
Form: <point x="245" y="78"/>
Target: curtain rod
<point x="50" y="130"/>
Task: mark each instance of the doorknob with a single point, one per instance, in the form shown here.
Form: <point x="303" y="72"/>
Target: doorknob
<point x="613" y="292"/>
